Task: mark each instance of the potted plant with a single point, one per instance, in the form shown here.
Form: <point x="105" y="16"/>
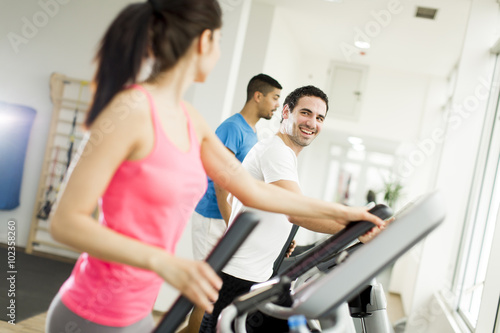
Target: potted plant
<point x="392" y="192"/>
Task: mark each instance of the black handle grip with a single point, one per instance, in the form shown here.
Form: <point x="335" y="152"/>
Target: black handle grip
<point x="336" y="243"/>
<point x="284" y="250"/>
<point x="265" y="292"/>
<point x="381" y="211"/>
<point x="217" y="259"/>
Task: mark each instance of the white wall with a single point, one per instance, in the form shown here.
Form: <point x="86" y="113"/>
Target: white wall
<point x="254" y="50"/>
<point x="392" y="102"/>
<point x="214" y="98"/>
<point x="284" y="57"/>
<point x="282" y="62"/>
<point x="419" y="159"/>
<point x="65" y="42"/>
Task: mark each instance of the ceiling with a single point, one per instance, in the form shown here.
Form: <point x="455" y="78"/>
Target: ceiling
<point x="398" y="39"/>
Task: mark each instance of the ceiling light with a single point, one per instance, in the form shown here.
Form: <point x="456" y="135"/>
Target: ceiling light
<point x="360" y="147"/>
<point x="361" y="44"/>
<point x="353" y="140"/>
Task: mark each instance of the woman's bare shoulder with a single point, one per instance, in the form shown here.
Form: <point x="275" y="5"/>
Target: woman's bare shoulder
<point x="125" y="120"/>
<point x="128" y="105"/>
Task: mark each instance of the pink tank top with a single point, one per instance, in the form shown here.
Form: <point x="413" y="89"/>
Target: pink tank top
<point x="150" y="200"/>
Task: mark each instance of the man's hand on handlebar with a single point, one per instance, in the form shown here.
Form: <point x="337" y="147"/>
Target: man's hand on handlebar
<point x="375" y="231"/>
<point x="291" y="248"/>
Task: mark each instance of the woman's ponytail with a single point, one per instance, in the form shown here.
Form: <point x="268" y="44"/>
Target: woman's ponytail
<point x="121" y="53"/>
<point x="163" y="29"/>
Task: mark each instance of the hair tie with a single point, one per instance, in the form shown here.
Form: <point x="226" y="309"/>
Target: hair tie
<point x="154" y="5"/>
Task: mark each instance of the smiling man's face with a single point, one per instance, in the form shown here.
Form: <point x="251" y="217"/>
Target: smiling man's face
<point x="305" y="120"/>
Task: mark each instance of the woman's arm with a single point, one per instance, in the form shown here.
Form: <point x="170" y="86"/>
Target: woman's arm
<point x="326" y="226"/>
<point x="122" y="131"/>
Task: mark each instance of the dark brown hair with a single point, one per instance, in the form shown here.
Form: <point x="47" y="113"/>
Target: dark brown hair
<point x="293" y="98"/>
<point x="164" y="28"/>
<point x="262" y="83"/>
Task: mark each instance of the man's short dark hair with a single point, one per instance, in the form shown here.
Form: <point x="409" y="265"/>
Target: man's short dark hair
<point x="262" y="83"/>
<point x="292" y="98"/>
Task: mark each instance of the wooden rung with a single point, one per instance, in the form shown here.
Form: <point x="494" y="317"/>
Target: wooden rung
<point x="48" y="174"/>
<point x="77" y="135"/>
<point x="43" y="229"/>
<point x="67" y="79"/>
<point x="53" y="175"/>
<point x="62" y="162"/>
<point x="73" y="108"/>
<point x="58" y="161"/>
<point x="56" y="177"/>
<point x="70" y="100"/>
<point x="59" y="148"/>
<point x="77" y="123"/>
<point x="54" y="245"/>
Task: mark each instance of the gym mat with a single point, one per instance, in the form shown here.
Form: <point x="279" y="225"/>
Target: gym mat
<point x="32" y="284"/>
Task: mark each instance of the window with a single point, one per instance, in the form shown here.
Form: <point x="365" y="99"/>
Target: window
<point x="478" y="245"/>
<point x="352" y="173"/>
<point x="483" y="212"/>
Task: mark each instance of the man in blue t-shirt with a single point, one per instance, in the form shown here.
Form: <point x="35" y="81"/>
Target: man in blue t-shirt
<point x="237" y="133"/>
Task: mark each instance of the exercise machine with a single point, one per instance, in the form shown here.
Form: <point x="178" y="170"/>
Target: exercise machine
<point x="368" y="309"/>
<point x="322" y="296"/>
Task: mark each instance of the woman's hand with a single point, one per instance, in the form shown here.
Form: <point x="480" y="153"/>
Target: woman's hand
<point x="196" y="280"/>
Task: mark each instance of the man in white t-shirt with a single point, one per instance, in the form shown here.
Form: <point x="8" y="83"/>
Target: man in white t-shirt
<point x="273" y="161"/>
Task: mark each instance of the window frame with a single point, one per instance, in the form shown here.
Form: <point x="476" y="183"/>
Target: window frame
<point x="480" y="198"/>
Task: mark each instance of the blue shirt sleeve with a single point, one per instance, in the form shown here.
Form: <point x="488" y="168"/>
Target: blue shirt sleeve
<point x="230" y="135"/>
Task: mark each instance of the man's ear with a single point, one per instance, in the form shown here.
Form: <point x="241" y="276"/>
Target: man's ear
<point x="205" y="41"/>
<point x="286" y="112"/>
<point x="257" y="96"/>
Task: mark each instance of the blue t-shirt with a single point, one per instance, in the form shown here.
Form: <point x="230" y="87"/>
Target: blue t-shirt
<point x="239" y="137"/>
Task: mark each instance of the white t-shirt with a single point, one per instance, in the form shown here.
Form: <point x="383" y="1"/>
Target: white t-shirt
<point x="269" y="160"/>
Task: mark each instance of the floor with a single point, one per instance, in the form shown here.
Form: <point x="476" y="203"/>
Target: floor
<point x="394" y="304"/>
<point x="36" y="324"/>
<point x="394" y="307"/>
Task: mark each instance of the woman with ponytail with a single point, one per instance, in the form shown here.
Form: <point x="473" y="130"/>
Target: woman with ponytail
<point x="147" y="170"/>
